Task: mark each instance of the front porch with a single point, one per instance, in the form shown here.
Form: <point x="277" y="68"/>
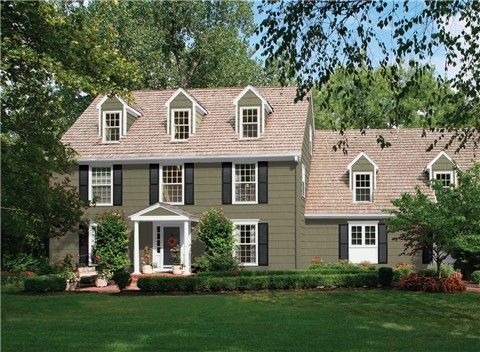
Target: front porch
<point x="168" y="226"/>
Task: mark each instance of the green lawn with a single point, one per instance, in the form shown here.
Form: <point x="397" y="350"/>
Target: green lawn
<point x="284" y="321"/>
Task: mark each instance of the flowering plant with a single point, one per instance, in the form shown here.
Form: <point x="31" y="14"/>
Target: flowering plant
<point x="175" y="255"/>
<point x="147" y="256"/>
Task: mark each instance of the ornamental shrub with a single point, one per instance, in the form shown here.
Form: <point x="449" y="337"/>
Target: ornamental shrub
<point x="385" y="276"/>
<point x="402" y="269"/>
<point x="122" y="278"/>
<point x="111" y="243"/>
<point x="216" y="232"/>
<point x="476" y="277"/>
<point x="45" y="283"/>
<point x="416" y="282"/>
<point x="445" y="271"/>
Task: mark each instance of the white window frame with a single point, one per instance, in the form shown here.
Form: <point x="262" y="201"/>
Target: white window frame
<point x="92" y="230"/>
<point x="161" y="184"/>
<point x="310" y="138"/>
<point x="238" y="222"/>
<point x="172" y="124"/>
<point x="259" y="117"/>
<point x="234" y="201"/>
<point x="355" y="173"/>
<point x="104" y="126"/>
<point x="363" y="224"/>
<point x="451" y="173"/>
<point x="304" y="183"/>
<point x="90" y="185"/>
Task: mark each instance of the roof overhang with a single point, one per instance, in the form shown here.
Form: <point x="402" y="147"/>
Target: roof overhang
<point x="178" y="214"/>
<point x="266" y="104"/>
<point x="127" y="107"/>
<point x="190" y="158"/>
<point x="194" y="101"/>
<point x="340" y="216"/>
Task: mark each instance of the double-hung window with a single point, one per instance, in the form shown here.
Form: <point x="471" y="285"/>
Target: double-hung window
<point x="112" y="123"/>
<point x="363" y="241"/>
<point x="246" y="247"/>
<point x="181" y="124"/>
<point x="101" y="185"/>
<point x="245" y="183"/>
<point x="445" y="177"/>
<point x="172" y="184"/>
<point x="250" y="122"/>
<point x="362" y="187"/>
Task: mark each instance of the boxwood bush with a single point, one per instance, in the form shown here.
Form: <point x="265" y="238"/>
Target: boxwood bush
<point x="292" y="280"/>
<point x="45" y="283"/>
<point x="476" y="277"/>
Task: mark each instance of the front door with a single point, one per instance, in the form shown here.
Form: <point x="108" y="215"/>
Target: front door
<point x="171" y="238"/>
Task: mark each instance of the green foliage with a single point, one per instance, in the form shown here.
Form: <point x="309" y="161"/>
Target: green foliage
<point x="216" y="232"/>
<point x="292" y="280"/>
<point x="401" y="270"/>
<point x="122" y="278"/>
<point x="45" y="283"/>
<point x="88" y="280"/>
<point x="475" y="277"/>
<point x="341" y="266"/>
<point x="416" y="282"/>
<point x="385" y="276"/>
<point x="445" y="271"/>
<point x="310" y="40"/>
<point x="111" y="243"/>
<point x="52" y="62"/>
<point x="22" y="262"/>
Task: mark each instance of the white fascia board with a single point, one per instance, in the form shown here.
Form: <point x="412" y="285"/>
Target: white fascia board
<point x="375" y="166"/>
<point x="341" y="216"/>
<point x="428" y="168"/>
<point x="125" y="105"/>
<point x="191" y="158"/>
<point x="158" y="218"/>
<point x="196" y="104"/>
<point x="267" y="105"/>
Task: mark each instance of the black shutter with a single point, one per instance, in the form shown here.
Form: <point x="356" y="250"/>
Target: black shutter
<point x="262" y="182"/>
<point x="343" y="241"/>
<point x="154" y="180"/>
<point x="117" y="185"/>
<point x="426" y="255"/>
<point x="226" y="183"/>
<point x="263" y="243"/>
<point x="83" y="245"/>
<point x="83" y="182"/>
<point x="189" y="184"/>
<point x="382" y="244"/>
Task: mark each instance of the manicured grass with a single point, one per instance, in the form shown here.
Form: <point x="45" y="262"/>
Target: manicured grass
<point x="372" y="320"/>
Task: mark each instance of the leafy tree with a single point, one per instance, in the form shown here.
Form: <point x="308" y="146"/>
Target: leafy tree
<point x="310" y="40"/>
<point x="111" y="243"/>
<point x="449" y="225"/>
<point x="342" y="103"/>
<point x="50" y="58"/>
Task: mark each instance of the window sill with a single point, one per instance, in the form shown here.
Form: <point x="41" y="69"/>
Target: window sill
<point x="101" y="204"/>
<point x="248" y="264"/>
<point x="244" y="203"/>
<point x="362" y="246"/>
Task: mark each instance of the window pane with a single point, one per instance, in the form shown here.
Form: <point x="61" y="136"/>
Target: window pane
<point x="181" y="123"/>
<point x="370" y="235"/>
<point x="245" y="183"/>
<point x="172" y="184"/>
<point x="246" y="244"/>
<point x="445" y="178"/>
<point x="356" y="235"/>
<point x="101" y="185"/>
<point x="250" y="123"/>
<point x="362" y="188"/>
<point x="112" y="126"/>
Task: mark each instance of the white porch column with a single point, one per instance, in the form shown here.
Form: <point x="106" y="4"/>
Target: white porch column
<point x="136" y="249"/>
<point x="187" y="239"/>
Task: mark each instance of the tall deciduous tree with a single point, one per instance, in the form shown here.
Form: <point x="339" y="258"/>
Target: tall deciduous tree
<point x="311" y="39"/>
<point x="50" y="58"/>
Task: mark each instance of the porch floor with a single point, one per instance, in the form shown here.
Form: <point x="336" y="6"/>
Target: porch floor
<point x="112" y="288"/>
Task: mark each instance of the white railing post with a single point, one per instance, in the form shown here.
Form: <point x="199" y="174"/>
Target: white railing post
<point x="187" y="238"/>
<point x="136" y="249"/>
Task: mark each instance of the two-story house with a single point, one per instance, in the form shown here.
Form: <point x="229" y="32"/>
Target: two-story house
<point x="173" y="154"/>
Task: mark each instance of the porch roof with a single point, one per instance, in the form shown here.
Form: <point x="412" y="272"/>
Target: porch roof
<point x="167" y="212"/>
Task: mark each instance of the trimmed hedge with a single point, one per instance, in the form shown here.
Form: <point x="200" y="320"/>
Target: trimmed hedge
<point x="211" y="283"/>
<point x="476" y="277"/>
<point x="45" y="283"/>
<point x="385" y="276"/>
<point x="316" y="271"/>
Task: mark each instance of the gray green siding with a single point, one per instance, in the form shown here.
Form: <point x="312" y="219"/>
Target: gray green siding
<point x="443" y="164"/>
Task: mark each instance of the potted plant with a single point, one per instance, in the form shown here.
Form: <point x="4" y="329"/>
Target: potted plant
<point x="102" y="273"/>
<point x="176" y="261"/>
<point x="147" y="261"/>
<point x="70" y="273"/>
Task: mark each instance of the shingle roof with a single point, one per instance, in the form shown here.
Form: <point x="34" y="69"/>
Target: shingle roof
<point x="214" y="136"/>
<point x="401" y="169"/>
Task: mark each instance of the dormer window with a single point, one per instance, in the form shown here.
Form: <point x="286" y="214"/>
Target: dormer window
<point x="251" y="111"/>
<point x="181" y="124"/>
<point x="445" y="177"/>
<point x="362" y="178"/>
<point x="112" y="126"/>
<point x="442" y="168"/>
<point x="250" y="122"/>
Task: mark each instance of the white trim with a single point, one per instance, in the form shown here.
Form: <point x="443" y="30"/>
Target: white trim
<point x="341" y="216"/>
<point x="268" y="107"/>
<point x="259" y="117"/>
<point x="91" y="241"/>
<point x="362" y="224"/>
<point x="160" y="183"/>
<point x="193" y="158"/>
<point x="362" y="154"/>
<point x="141" y="216"/>
<point x="310" y="138"/>
<point x="172" y="117"/>
<point x="428" y="168"/>
<point x="451" y="173"/>
<point x="372" y="178"/>
<point x="304" y="181"/>
<point x="120" y="127"/>
<point x="196" y="104"/>
<point x="127" y="107"/>
<point x="361" y="252"/>
<point x="254" y="222"/>
<point x="90" y="185"/>
<point x="136" y="248"/>
<point x="160" y="218"/>
<point x="234" y="201"/>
